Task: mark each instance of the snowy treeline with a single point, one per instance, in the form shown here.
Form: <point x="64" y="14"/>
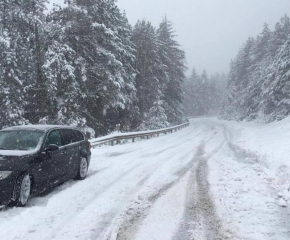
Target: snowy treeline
<point x="84" y="65"/>
<point x="161" y="71"/>
<point x="259" y="79"/>
<point x="204" y="95"/>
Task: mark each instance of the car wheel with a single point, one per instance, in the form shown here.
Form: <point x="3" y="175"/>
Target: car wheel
<point x="83" y="169"/>
<point x="22" y="190"/>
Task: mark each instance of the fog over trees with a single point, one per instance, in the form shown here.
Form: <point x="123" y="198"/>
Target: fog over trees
<point x="204" y="95"/>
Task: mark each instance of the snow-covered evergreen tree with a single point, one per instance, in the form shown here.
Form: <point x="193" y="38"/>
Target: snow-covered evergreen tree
<point x="258" y="80"/>
<point x="203" y="95"/>
<point x="59" y="67"/>
<point x="173" y="58"/>
<point x="11" y="85"/>
<point x="90" y="61"/>
<point x="82" y="65"/>
<point x="151" y="71"/>
<point x="275" y="100"/>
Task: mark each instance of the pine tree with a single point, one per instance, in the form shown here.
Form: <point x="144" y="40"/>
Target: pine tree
<point x="258" y="81"/>
<point x="11" y="86"/>
<point x="60" y="70"/>
<point x="239" y="78"/>
<point x="78" y="65"/>
<point x="193" y="98"/>
<point x="275" y="102"/>
<point x="18" y="60"/>
<point x="100" y="37"/>
<point x="261" y="60"/>
<point x="203" y="95"/>
<point x="174" y="59"/>
<point x="149" y="80"/>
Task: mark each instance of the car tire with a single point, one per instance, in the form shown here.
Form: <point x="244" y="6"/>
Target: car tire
<point x="22" y="190"/>
<point x="83" y="169"/>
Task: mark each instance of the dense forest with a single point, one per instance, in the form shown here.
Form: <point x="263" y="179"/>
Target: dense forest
<point x="84" y="65"/>
<point x="259" y="78"/>
<point x="204" y="95"/>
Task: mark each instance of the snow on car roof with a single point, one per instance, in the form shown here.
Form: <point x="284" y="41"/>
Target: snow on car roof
<point x="36" y="127"/>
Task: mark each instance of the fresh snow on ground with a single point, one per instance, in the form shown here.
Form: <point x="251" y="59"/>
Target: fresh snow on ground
<point x="212" y="180"/>
<point x="250" y="179"/>
<point x="270" y="145"/>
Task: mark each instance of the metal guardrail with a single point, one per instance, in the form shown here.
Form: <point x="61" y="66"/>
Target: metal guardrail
<point x="144" y="135"/>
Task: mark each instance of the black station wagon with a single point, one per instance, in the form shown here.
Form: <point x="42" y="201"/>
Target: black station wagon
<point x="35" y="158"/>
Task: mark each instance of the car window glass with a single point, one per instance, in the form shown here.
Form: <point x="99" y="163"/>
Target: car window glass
<point x="79" y="135"/>
<point x="68" y="136"/>
<point x="19" y="140"/>
<point x="54" y="138"/>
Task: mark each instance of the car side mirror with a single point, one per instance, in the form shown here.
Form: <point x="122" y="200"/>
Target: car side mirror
<point x="51" y="148"/>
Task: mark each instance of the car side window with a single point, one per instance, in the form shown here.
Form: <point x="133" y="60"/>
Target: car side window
<point x="54" y="138"/>
<point x="68" y="136"/>
<point x="79" y="135"/>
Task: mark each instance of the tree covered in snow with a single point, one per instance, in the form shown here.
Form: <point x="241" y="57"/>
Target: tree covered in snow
<point x="173" y="59"/>
<point x="255" y="88"/>
<point x="204" y="95"/>
<point x="83" y="65"/>
<point x="151" y="71"/>
<point x="275" y="99"/>
<point x="11" y="90"/>
<point x="22" y="82"/>
<point x="90" y="62"/>
<point x="160" y="66"/>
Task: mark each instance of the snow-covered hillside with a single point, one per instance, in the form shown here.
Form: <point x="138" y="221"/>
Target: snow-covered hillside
<point x="211" y="180"/>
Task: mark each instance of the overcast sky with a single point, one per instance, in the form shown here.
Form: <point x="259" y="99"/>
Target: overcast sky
<point x="210" y="31"/>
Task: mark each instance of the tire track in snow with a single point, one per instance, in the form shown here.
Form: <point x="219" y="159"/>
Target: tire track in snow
<point x="205" y="204"/>
<point x="104" y="230"/>
<point x="110" y="217"/>
<point x="79" y="210"/>
<point x="200" y="217"/>
<point x="110" y="226"/>
<point x="129" y="227"/>
<point x="74" y="213"/>
<point x="107" y="230"/>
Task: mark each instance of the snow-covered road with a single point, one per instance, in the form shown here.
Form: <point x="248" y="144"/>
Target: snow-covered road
<point x="196" y="183"/>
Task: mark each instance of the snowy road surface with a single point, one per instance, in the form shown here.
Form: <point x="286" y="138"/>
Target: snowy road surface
<point x="211" y="180"/>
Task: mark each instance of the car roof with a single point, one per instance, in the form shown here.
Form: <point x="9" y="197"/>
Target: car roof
<point x="37" y="127"/>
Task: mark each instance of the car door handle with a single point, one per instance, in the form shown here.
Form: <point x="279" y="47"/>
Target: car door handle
<point x="63" y="152"/>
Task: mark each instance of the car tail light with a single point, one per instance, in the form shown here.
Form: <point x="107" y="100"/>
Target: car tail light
<point x="90" y="146"/>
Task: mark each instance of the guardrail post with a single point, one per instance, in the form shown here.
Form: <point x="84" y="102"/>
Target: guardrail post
<point x="133" y="139"/>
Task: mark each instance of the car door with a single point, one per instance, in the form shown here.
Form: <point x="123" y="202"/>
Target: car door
<point x="72" y="148"/>
<point x="47" y="166"/>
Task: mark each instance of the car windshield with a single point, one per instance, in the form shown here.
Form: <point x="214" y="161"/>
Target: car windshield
<point x="23" y="140"/>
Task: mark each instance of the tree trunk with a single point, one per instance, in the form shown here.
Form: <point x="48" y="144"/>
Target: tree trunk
<point x="41" y="96"/>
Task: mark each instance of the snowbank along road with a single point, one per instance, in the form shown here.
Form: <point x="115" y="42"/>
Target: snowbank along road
<point x="198" y="183"/>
